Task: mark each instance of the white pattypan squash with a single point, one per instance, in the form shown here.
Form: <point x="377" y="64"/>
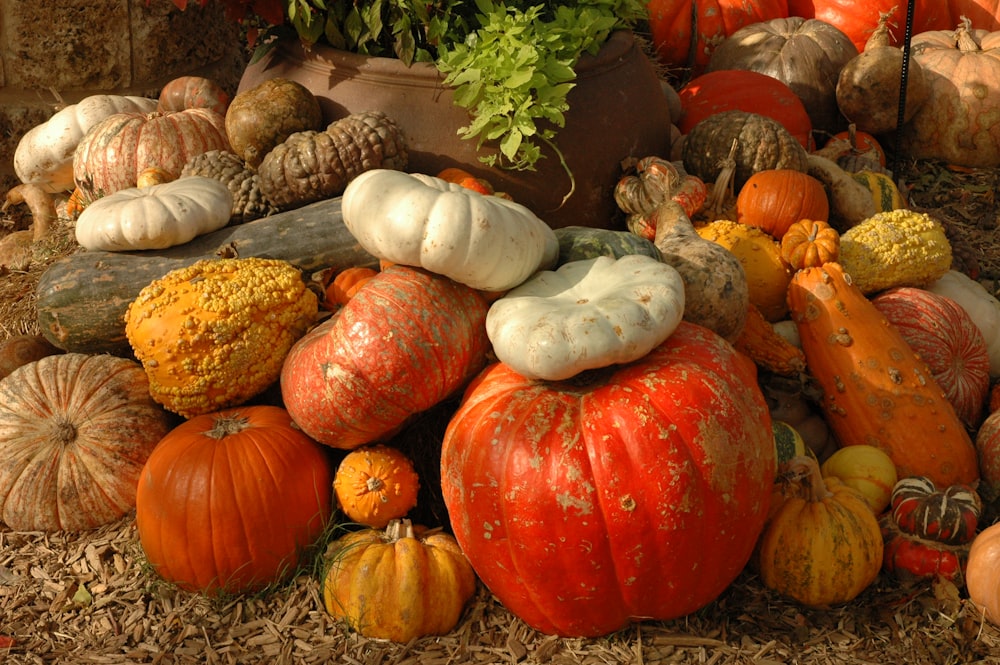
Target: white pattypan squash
<point x="482" y="241"/>
<point x="155" y="217"/>
<point x="585" y="315"/>
<point x="44" y="155"/>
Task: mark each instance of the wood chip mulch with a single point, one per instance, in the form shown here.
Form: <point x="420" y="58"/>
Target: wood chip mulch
<point x="77" y="598"/>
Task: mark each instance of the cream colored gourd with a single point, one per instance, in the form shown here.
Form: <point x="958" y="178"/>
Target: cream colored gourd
<point x="486" y="242"/>
<point x="155" y="217"/>
<point x="585" y="315"/>
<point x="44" y="155"/>
<point x="983" y="308"/>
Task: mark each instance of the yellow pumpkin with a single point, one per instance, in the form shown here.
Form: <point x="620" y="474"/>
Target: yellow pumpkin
<point x="398" y="584"/>
<point x="867" y="469"/>
<point x="822" y="544"/>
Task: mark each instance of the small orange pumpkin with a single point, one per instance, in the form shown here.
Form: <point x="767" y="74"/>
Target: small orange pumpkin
<point x="774" y="199"/>
<point x="809" y="243"/>
<point x="376" y="484"/>
<point x="346" y="283"/>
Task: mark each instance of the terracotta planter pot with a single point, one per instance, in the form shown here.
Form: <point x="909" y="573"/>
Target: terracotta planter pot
<point x="617" y="110"/>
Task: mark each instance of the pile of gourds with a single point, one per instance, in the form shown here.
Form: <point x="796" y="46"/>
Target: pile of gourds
<point x="746" y="376"/>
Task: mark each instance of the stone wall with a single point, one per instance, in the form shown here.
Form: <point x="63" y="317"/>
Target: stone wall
<point x="55" y="52"/>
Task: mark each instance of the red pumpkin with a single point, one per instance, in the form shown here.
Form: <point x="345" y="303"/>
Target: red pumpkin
<point x="945" y="337"/>
<point x="228" y="500"/>
<point x="191" y="92"/>
<point x="857" y="20"/>
<point x="685" y="32"/>
<point x="116" y="150"/>
<point x="406" y="341"/>
<point x="745" y="90"/>
<point x="988" y="452"/>
<point x="634" y="492"/>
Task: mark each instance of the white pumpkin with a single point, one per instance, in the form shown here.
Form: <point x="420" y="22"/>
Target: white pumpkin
<point x="44" y="155"/>
<point x="983" y="308"/>
<point x="585" y="315"/>
<point x="482" y="241"/>
<point x="155" y="217"/>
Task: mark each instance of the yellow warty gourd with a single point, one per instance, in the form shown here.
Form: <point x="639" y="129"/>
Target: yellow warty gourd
<point x="895" y="248"/>
<point x="214" y="334"/>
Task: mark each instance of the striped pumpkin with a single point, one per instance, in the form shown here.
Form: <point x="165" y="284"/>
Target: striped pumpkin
<point x="884" y="192"/>
<point x="115" y="151"/>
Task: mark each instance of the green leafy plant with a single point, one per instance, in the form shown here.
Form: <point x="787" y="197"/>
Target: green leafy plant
<point x="511" y="63"/>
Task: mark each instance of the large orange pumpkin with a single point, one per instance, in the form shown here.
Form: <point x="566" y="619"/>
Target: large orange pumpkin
<point x="876" y="390"/>
<point x="75" y="432"/>
<point x="229" y="500"/>
<point x="636" y="492"/>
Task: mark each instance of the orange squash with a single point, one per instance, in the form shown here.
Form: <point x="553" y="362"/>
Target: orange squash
<point x="346" y="283"/>
<point x="876" y="390"/>
<point x="376" y="484"/>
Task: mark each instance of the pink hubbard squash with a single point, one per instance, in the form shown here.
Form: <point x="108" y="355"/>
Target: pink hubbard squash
<point x="946" y="338"/>
<point x="115" y="151"/>
<point x="75" y="432"/>
<point x="633" y="492"/>
<point x="402" y="344"/>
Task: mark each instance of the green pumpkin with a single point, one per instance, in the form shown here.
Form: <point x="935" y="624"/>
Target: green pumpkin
<point x="577" y="243"/>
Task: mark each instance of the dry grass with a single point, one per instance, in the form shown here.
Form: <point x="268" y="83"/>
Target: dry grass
<point x="91" y="597"/>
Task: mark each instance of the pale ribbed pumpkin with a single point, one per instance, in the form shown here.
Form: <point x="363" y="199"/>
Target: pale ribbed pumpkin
<point x="75" y="432"/>
<point x="115" y="151"/>
<point x="946" y="338"/>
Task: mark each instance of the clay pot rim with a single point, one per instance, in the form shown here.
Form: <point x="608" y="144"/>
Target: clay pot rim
<point x="346" y="64"/>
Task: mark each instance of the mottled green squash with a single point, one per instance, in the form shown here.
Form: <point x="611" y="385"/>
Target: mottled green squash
<point x="582" y="242"/>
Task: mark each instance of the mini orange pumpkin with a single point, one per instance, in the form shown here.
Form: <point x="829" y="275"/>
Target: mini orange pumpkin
<point x="774" y="199"/>
<point x="376" y="484"/>
<point x="346" y="283"/>
<point x="809" y="243"/>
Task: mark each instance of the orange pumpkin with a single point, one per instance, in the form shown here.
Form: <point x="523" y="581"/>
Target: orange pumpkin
<point x="876" y="390"/>
<point x="375" y="485"/>
<point x="809" y="243"/>
<point x="982" y="573"/>
<point x="774" y="199"/>
<point x="346" y="283"/>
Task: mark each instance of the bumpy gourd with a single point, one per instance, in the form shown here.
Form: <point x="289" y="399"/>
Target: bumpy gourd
<point x="376" y="484"/>
<point x="310" y="165"/>
<point x="243" y="183"/>
<point x="215" y="334"/>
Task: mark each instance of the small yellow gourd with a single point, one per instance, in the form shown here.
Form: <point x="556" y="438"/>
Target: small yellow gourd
<point x="768" y="274"/>
<point x="867" y="469"/>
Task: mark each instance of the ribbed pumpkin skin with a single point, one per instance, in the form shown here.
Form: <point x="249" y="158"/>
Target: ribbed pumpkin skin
<point x="75" y="432"/>
<point x="113" y="154"/>
<point x="635" y="494"/>
<point x="774" y="199"/>
<point x="982" y="575"/>
<point x="403" y="343"/>
<point x="875" y="388"/>
<point x="233" y="511"/>
<point x="945" y="337"/>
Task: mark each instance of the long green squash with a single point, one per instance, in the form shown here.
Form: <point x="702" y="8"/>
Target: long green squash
<point x="82" y="298"/>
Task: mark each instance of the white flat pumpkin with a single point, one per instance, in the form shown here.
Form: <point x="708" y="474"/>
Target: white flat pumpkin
<point x="44" y="155"/>
<point x="155" y="217"/>
<point x="585" y="315"/>
<point x="482" y="241"/>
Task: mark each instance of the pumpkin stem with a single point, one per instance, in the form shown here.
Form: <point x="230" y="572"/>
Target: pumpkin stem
<point x="964" y="39"/>
<point x="880" y="35"/>
<point x="224" y="426"/>
<point x="63" y="431"/>
<point x="805" y="469"/>
<point x="374" y="484"/>
<point x="401" y="528"/>
<point x="724" y="186"/>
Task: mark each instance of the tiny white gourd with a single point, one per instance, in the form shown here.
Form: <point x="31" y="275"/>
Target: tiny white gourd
<point x="155" y="217"/>
<point x="485" y="242"/>
<point x="983" y="308"/>
<point x="44" y="154"/>
<point x="585" y="315"/>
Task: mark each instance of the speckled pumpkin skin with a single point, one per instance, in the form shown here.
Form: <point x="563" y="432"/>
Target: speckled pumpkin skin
<point x="406" y="341"/>
<point x="637" y="493"/>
